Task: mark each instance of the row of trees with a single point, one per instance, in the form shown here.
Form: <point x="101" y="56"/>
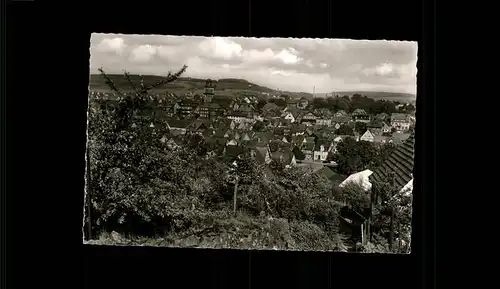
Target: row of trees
<point x="347" y="104"/>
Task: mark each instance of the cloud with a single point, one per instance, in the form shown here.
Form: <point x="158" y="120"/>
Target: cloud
<point x="115" y="45"/>
<point x="390" y="70"/>
<point x="220" y="48"/>
<point x="142" y="53"/>
<point x="288" y="56"/>
<point x="285" y="63"/>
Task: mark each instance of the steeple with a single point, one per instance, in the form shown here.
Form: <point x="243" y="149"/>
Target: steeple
<point x="209" y="90"/>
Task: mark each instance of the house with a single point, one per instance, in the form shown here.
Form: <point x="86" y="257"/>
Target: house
<point x="382" y="116"/>
<point x="368" y="136"/>
<point x="197" y="126"/>
<point x="308" y="151"/>
<point x="321" y="150"/>
<point x="286" y="156"/>
<point x="292" y="103"/>
<point x="232" y="142"/>
<point x="246" y="108"/>
<point x="291" y="115"/>
<point x="298" y="129"/>
<point x="186" y="107"/>
<point x="261" y="154"/>
<point x="360" y="115"/>
<point x="400" y="121"/>
<point x="178" y="126"/>
<point x="324" y="121"/>
<point x="340" y="113"/>
<point x="239" y="116"/>
<point x="209" y="110"/>
<point x="303" y="103"/>
<point x="385" y="128"/>
<point x="375" y="127"/>
<point x="309" y="118"/>
<point x="360" y="178"/>
<point x="343" y="119"/>
<point x="399" y="165"/>
<point x="270" y="107"/>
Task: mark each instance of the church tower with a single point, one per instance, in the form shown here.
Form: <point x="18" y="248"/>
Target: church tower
<point x="209" y="91"/>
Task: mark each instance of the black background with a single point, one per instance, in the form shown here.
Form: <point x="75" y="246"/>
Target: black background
<point x="47" y="86"/>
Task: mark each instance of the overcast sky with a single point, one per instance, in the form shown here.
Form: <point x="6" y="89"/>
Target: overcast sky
<point x="289" y="64"/>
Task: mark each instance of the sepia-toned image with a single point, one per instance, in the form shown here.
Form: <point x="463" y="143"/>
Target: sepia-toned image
<point x="250" y="143"/>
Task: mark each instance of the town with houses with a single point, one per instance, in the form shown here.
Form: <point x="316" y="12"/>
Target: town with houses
<point x="303" y="134"/>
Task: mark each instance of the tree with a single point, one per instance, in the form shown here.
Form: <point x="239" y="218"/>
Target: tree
<point x="278" y="101"/>
<point x="258" y="126"/>
<point x="353" y="156"/>
<point x="343" y="104"/>
<point x="331" y="103"/>
<point x="260" y="104"/>
<point x="299" y="155"/>
<point x="391" y="213"/>
<point x="127" y="159"/>
<point x="319" y="102"/>
<point x="344" y="130"/>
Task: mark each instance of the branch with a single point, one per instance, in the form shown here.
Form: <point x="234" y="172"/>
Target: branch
<point x="169" y="78"/>
<point x="110" y="82"/>
<point x="143" y="88"/>
<point x="129" y="79"/>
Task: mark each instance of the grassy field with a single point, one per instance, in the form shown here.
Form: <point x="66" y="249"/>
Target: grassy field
<point x="226" y="86"/>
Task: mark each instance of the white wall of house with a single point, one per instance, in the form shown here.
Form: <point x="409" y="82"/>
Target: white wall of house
<point x="290" y="117"/>
<point x="367" y="136"/>
<point x="320" y="156"/>
<point x="400" y="126"/>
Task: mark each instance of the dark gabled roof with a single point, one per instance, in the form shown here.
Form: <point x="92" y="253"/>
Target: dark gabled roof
<point x="188" y="102"/>
<point x="330" y="175"/>
<point x="260" y="153"/>
<point x="269" y="106"/>
<point x="400" y="162"/>
<point x="309" y="146"/>
<point x="375" y="124"/>
<point x="237" y="114"/>
<point x="233" y="151"/>
<point x="178" y="123"/>
<point x="382" y="116"/>
<point x="310" y="113"/>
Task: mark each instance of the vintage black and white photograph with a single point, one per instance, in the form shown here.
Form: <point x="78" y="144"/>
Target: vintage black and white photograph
<point x="250" y="143"/>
